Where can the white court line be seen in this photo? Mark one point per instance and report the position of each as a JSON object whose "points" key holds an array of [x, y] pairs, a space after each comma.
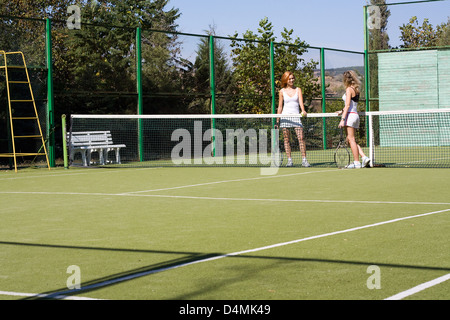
{"points": [[285, 200], [44, 176], [146, 273], [39, 295], [234, 180], [420, 287], [65, 174], [219, 198]]}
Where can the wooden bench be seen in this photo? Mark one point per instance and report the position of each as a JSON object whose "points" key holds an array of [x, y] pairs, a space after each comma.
{"points": [[88, 142]]}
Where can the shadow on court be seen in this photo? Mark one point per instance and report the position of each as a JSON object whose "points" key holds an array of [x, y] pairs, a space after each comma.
{"points": [[188, 257]]}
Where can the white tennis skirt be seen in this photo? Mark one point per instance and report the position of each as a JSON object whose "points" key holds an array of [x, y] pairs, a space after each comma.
{"points": [[352, 120], [291, 122]]}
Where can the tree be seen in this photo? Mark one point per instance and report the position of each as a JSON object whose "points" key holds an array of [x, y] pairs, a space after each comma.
{"points": [[96, 65], [414, 35], [223, 77], [378, 37], [444, 34], [39, 9], [288, 57], [28, 35], [251, 66]]}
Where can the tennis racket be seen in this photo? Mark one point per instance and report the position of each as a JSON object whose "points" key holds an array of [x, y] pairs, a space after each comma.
{"points": [[342, 155]]}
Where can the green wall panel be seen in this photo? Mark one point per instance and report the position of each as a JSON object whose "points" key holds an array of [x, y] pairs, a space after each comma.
{"points": [[414, 81]]}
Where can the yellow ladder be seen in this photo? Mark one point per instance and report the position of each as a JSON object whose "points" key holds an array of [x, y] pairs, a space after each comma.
{"points": [[23, 118]]}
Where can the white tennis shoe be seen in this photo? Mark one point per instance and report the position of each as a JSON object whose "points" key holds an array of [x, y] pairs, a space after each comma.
{"points": [[305, 163], [365, 161], [290, 163], [353, 166]]}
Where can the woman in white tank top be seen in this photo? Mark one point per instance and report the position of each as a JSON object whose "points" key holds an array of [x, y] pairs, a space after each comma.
{"points": [[290, 102], [350, 118]]}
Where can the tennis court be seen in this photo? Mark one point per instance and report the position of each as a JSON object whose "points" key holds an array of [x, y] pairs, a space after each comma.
{"points": [[205, 233]]}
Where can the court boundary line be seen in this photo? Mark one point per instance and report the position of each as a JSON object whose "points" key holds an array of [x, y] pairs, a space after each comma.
{"points": [[41, 295], [65, 173], [260, 177], [419, 288], [64, 294], [221, 198]]}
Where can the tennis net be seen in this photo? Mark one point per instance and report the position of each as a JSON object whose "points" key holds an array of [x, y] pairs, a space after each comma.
{"points": [[419, 138]]}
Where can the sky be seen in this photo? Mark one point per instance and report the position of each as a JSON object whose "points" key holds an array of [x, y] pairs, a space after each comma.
{"points": [[334, 24]]}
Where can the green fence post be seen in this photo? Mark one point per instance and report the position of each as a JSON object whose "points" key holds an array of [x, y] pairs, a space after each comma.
{"points": [[212, 75], [366, 72], [324, 102], [50, 99], [212, 84], [274, 137], [140, 108], [272, 77]]}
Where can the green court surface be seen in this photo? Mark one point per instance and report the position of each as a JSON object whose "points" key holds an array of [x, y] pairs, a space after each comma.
{"points": [[225, 233]]}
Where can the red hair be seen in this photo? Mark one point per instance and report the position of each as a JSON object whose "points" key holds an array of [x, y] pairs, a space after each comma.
{"points": [[285, 78]]}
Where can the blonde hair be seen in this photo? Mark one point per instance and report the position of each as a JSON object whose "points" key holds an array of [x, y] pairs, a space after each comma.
{"points": [[351, 79]]}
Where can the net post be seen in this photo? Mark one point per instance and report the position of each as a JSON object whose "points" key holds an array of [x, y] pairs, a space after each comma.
{"points": [[371, 140], [64, 137]]}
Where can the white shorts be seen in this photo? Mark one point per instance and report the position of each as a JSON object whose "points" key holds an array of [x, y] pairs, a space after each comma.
{"points": [[291, 122], [352, 120]]}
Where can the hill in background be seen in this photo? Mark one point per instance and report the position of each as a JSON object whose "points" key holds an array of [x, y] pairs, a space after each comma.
{"points": [[333, 79]]}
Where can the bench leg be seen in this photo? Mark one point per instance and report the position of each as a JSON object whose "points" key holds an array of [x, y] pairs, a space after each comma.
{"points": [[89, 157], [83, 157], [118, 155], [71, 155], [105, 156], [101, 156]]}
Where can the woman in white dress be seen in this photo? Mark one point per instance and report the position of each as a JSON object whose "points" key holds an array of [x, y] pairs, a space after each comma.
{"points": [[290, 102]]}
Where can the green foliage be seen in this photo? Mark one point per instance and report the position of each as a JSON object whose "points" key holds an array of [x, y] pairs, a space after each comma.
{"points": [[379, 38], [54, 9], [251, 66], [223, 77], [414, 35], [94, 69], [101, 57], [443, 30]]}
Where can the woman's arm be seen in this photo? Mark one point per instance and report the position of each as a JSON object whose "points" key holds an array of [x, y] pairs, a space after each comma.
{"points": [[300, 102], [280, 102]]}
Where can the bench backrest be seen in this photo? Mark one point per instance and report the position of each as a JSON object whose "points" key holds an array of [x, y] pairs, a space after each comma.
{"points": [[90, 138]]}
